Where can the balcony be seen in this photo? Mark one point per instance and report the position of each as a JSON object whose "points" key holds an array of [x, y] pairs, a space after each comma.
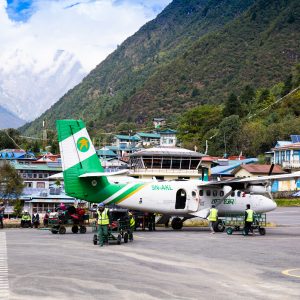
{"points": [[293, 164]]}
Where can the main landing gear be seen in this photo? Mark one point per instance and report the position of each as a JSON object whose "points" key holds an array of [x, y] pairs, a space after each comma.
{"points": [[219, 226]]}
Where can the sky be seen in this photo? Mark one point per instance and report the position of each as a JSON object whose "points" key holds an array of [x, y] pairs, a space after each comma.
{"points": [[89, 29]]}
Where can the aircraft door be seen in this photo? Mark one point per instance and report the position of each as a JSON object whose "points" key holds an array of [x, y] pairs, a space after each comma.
{"points": [[180, 199], [193, 201]]}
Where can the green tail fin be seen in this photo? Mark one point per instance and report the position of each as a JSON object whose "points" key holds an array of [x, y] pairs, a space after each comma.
{"points": [[79, 157]]}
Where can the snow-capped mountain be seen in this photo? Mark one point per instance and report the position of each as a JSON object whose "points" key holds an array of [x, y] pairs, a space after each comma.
{"points": [[29, 86]]}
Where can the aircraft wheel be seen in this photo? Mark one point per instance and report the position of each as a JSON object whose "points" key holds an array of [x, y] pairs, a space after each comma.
{"points": [[229, 231], [62, 230], [82, 229], [125, 237], [219, 226], [176, 223], [75, 229], [119, 239], [262, 231]]}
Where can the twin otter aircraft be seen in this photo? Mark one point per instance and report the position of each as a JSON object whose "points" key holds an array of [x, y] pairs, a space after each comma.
{"points": [[84, 178]]}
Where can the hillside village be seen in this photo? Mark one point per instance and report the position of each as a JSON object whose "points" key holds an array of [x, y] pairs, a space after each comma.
{"points": [[148, 155]]}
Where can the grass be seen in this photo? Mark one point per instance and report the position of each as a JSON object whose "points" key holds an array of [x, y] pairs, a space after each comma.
{"points": [[287, 202]]}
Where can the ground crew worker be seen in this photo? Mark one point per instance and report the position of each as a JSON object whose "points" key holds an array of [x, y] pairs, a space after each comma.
{"points": [[2, 208], [249, 217], [103, 222], [131, 222], [26, 219], [213, 218]]}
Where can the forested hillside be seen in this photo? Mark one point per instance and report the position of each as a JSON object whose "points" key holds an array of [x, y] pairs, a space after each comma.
{"points": [[195, 52]]}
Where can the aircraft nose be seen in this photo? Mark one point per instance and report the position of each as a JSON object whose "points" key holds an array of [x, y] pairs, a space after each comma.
{"points": [[270, 205]]}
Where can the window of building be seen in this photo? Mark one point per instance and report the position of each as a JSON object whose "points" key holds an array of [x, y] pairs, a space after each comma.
{"points": [[40, 175], [40, 185], [29, 184]]}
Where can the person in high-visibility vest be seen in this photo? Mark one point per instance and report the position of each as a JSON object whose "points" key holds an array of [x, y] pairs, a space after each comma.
{"points": [[26, 219], [103, 222], [213, 218], [249, 218], [131, 222]]}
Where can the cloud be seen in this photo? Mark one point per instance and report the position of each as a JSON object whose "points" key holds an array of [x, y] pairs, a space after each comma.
{"points": [[89, 29]]}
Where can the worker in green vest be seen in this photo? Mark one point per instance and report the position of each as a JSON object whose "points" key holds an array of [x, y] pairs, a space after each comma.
{"points": [[103, 222], [249, 218], [213, 218], [131, 222], [26, 220]]}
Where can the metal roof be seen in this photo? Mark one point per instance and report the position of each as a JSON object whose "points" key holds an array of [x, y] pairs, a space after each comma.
{"points": [[127, 137], [149, 135], [167, 151]]}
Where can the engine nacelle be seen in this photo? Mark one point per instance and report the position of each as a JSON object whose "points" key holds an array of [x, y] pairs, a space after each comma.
{"points": [[258, 189]]}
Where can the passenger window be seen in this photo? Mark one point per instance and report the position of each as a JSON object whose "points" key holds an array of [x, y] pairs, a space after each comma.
{"points": [[201, 192], [194, 194], [215, 193], [221, 193], [208, 193], [239, 193], [232, 194]]}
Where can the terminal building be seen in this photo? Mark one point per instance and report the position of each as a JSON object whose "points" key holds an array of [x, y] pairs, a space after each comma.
{"points": [[165, 163]]}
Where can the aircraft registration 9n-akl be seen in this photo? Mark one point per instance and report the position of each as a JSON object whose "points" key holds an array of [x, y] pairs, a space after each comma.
{"points": [[84, 178]]}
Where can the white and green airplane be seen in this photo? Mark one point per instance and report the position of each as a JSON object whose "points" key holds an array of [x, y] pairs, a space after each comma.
{"points": [[85, 179]]}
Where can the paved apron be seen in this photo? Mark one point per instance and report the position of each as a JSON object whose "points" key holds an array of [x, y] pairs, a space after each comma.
{"points": [[4, 287]]}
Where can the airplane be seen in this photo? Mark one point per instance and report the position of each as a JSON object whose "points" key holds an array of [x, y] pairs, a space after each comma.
{"points": [[84, 178]]}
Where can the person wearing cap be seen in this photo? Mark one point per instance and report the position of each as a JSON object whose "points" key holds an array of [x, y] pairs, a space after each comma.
{"points": [[2, 208], [213, 218], [131, 222], [103, 222]]}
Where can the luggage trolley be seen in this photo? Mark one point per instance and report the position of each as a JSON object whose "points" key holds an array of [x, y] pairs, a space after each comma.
{"points": [[236, 223], [118, 229]]}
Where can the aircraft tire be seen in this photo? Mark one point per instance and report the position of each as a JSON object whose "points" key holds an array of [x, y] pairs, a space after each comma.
{"points": [[95, 239], [177, 223], [82, 229], [219, 226]]}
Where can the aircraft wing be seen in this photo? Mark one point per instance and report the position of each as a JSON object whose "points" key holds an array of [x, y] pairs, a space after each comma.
{"points": [[242, 183]]}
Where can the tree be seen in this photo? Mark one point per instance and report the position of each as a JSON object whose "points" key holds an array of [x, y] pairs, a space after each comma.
{"points": [[11, 183], [288, 85], [196, 122], [232, 106], [229, 129]]}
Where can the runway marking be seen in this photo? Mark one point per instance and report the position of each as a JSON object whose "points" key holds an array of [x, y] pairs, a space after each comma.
{"points": [[4, 287], [290, 272]]}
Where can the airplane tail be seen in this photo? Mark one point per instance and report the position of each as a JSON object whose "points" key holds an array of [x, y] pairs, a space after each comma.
{"points": [[81, 166]]}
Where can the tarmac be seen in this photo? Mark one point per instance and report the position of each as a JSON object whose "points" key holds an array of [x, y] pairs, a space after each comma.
{"points": [[165, 264]]}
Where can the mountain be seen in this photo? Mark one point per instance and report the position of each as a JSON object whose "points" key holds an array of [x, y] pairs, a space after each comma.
{"points": [[194, 52], [9, 120], [25, 84]]}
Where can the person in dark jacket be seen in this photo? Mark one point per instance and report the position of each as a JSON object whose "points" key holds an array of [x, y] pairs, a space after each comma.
{"points": [[2, 209], [35, 219]]}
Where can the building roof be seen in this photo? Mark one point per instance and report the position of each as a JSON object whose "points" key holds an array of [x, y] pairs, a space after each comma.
{"points": [[292, 146], [106, 152], [38, 167], [259, 169], [127, 137], [232, 164], [148, 135], [168, 151], [168, 131], [16, 154], [282, 143]]}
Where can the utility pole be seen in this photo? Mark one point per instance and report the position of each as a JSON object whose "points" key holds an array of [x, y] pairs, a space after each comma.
{"points": [[44, 135]]}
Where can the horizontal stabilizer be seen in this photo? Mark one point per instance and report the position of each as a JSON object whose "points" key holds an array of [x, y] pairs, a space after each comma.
{"points": [[101, 174]]}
